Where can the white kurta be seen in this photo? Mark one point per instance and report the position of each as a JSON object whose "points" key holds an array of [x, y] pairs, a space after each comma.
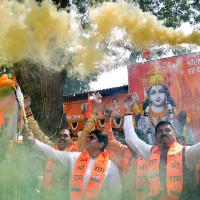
{"points": [[112, 184], [192, 153]]}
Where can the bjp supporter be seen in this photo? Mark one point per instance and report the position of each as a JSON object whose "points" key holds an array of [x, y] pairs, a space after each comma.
{"points": [[54, 183], [124, 159], [14, 158], [9, 108], [170, 164], [92, 174], [82, 139], [65, 142], [132, 167]]}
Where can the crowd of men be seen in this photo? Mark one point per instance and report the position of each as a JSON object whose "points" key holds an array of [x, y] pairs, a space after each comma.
{"points": [[97, 166]]}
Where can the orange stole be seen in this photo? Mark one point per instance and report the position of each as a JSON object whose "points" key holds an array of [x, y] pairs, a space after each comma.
{"points": [[126, 159], [72, 148], [96, 179], [197, 174], [2, 120], [51, 166], [174, 174], [142, 182], [48, 175]]}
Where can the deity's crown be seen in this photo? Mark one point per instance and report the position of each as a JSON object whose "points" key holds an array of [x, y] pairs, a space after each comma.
{"points": [[154, 77]]}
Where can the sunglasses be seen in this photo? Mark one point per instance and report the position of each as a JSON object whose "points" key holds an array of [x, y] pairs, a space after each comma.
{"points": [[91, 137], [63, 135]]}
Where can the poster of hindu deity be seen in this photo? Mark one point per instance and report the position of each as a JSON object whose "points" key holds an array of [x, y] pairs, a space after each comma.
{"points": [[167, 89]]}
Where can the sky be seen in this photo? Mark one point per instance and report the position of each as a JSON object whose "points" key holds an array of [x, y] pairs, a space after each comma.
{"points": [[114, 78]]}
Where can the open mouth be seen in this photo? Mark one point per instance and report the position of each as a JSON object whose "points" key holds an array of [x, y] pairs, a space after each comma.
{"points": [[163, 137], [62, 142]]}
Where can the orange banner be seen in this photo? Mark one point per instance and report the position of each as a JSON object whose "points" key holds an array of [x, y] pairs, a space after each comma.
{"points": [[76, 112], [167, 89]]}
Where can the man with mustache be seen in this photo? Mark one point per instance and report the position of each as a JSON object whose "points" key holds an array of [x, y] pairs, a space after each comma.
{"points": [[170, 164], [92, 174], [54, 179]]}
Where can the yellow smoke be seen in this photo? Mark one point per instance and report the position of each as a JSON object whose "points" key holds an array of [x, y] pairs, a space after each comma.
{"points": [[143, 28], [87, 56], [47, 25], [30, 30]]}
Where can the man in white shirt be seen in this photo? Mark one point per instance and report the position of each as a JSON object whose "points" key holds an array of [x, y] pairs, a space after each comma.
{"points": [[93, 175], [170, 163]]}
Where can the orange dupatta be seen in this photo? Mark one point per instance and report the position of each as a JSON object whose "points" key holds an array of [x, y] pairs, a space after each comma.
{"points": [[50, 167], [96, 179], [174, 174], [142, 182]]}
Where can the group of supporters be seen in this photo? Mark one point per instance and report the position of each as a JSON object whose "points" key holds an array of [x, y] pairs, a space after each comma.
{"points": [[100, 167], [97, 166]]}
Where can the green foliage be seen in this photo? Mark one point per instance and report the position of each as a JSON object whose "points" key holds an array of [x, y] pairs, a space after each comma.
{"points": [[6, 69], [95, 2], [195, 10], [172, 12], [74, 84]]}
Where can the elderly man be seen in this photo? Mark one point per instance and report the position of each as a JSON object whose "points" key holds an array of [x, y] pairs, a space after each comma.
{"points": [[93, 175], [170, 163]]}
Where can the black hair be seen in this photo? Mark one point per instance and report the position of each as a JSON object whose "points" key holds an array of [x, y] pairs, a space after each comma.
{"points": [[101, 137], [64, 128], [162, 123]]}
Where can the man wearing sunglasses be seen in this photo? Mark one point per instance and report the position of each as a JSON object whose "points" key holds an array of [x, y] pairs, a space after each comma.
{"points": [[92, 174], [50, 186], [82, 140]]}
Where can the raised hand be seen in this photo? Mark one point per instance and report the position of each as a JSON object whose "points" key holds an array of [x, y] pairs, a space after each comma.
{"points": [[129, 103], [135, 97], [107, 111], [96, 100], [27, 105]]}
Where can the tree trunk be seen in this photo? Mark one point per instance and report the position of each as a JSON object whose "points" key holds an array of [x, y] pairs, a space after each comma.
{"points": [[45, 88]]}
